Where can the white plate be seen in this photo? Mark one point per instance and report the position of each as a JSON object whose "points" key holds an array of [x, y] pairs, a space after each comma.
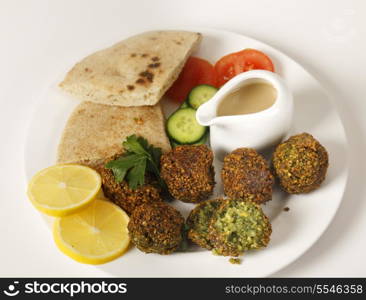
{"points": [[293, 231]]}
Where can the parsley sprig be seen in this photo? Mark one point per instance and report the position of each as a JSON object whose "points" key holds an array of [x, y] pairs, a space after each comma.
{"points": [[139, 157]]}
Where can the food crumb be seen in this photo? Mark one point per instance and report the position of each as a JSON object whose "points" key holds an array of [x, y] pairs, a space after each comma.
{"points": [[214, 252], [235, 261], [286, 209]]}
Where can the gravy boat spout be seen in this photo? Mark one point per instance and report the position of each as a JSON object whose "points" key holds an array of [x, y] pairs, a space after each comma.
{"points": [[206, 113], [257, 130]]}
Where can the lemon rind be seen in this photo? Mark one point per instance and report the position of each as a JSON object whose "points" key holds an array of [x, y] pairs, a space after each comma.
{"points": [[66, 249], [71, 209]]}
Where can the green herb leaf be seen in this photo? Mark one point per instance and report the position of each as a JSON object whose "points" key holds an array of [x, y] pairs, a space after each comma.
{"points": [[135, 145], [155, 154], [143, 142], [154, 161], [119, 173], [121, 165], [125, 161], [136, 175], [139, 158]]}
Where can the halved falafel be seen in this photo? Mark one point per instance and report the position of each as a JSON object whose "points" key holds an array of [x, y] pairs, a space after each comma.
{"points": [[300, 163], [188, 172], [246, 175], [199, 220], [238, 226], [156, 228]]}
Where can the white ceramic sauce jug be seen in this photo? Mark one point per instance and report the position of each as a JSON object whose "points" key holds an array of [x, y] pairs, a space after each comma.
{"points": [[258, 130]]}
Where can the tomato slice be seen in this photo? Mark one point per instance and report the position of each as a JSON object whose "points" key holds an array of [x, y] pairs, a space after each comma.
{"points": [[235, 63], [196, 71]]}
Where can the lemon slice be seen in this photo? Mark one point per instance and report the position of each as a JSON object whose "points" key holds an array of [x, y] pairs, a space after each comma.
{"points": [[96, 235], [63, 189]]}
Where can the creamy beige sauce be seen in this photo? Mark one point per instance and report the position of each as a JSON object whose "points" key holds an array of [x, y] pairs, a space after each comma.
{"points": [[251, 98]]}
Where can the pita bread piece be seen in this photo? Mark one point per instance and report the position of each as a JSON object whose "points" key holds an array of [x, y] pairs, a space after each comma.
{"points": [[134, 72], [95, 132]]}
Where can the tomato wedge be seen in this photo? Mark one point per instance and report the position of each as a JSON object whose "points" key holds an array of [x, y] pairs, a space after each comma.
{"points": [[196, 71], [235, 63]]}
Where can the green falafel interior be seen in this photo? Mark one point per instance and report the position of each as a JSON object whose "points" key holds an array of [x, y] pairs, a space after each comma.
{"points": [[229, 227], [199, 220], [239, 226]]}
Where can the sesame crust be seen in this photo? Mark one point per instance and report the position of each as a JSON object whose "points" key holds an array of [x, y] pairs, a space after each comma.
{"points": [[246, 175], [188, 172], [156, 228], [300, 163]]}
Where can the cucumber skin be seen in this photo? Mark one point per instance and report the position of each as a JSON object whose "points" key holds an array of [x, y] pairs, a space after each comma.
{"points": [[189, 98], [173, 139], [202, 141]]}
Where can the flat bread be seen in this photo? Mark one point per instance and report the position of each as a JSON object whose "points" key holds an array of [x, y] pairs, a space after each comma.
{"points": [[134, 72], [95, 132]]}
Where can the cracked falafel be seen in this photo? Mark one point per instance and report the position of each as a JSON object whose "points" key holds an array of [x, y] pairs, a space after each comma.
{"points": [[246, 175], [156, 228], [199, 220], [300, 163], [188, 172], [238, 226]]}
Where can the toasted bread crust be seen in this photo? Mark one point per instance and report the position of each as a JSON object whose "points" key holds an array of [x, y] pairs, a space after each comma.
{"points": [[134, 72], [95, 132]]}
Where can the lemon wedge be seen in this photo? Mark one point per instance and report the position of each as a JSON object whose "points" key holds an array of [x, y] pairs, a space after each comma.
{"points": [[95, 235], [61, 190]]}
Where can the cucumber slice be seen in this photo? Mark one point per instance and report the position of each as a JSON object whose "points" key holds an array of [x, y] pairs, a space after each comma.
{"points": [[201, 94], [203, 140], [183, 127]]}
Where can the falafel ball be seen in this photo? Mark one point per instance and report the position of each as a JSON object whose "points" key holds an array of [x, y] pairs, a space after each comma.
{"points": [[199, 220], [156, 228], [246, 175], [300, 163], [125, 197], [188, 172], [238, 226]]}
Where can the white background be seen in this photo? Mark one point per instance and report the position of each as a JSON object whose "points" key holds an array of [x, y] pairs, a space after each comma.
{"points": [[39, 38]]}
